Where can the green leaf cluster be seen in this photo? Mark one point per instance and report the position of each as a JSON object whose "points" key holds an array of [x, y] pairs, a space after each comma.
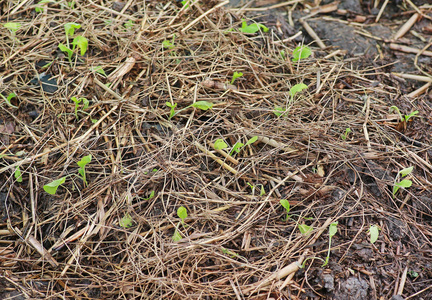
{"points": [[252, 28], [79, 41], [404, 183]]}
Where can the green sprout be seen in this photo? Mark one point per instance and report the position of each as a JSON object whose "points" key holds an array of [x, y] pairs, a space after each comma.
{"points": [[285, 204], [345, 135], [235, 76], [17, 174], [82, 163], [301, 52], [169, 45], [297, 88], [9, 98], [403, 117], [374, 233], [405, 183], [185, 3], [39, 9], [176, 236], [279, 110], [332, 232], [203, 105], [172, 111], [238, 146], [219, 144], [152, 193], [252, 28], [282, 54], [305, 229], [129, 24], [99, 70], [79, 41], [51, 188], [182, 213], [13, 28], [126, 221], [77, 103]]}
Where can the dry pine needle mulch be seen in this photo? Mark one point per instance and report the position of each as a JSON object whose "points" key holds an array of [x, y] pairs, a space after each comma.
{"points": [[113, 238]]}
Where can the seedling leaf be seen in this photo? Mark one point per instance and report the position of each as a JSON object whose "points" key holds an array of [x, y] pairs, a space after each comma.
{"points": [[203, 105], [333, 229], [235, 76], [220, 144], [70, 28], [18, 175], [182, 213], [82, 43], [84, 161], [126, 221], [305, 229], [301, 52], [278, 111], [406, 171], [252, 28], [297, 88], [51, 188], [262, 190], [285, 204], [172, 111], [64, 48], [99, 70], [251, 140], [407, 117], [177, 236], [236, 148], [12, 26], [167, 44], [374, 233]]}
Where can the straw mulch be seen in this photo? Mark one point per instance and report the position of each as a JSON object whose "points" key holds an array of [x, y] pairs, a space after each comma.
{"points": [[236, 242]]}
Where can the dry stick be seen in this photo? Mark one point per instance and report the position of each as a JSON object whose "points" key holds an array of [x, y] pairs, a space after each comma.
{"points": [[419, 292], [414, 77], [365, 131], [224, 154], [204, 15], [402, 281], [406, 27], [381, 11], [269, 7], [419, 91], [215, 158], [288, 39], [407, 49], [73, 141], [312, 33]]}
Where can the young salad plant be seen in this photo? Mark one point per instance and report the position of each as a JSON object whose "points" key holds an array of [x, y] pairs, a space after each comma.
{"points": [[374, 233], [404, 183], [301, 52], [235, 76], [252, 28], [77, 103], [332, 232], [182, 214], [51, 188], [82, 164], [79, 41], [285, 204], [403, 117]]}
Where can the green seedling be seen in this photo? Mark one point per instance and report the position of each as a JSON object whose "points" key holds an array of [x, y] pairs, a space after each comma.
{"points": [[405, 183], [332, 232], [296, 89], [13, 27], [169, 44], [403, 117], [172, 111], [235, 76], [176, 236], [40, 9], [253, 187], [413, 274], [182, 213], [126, 221], [220, 144], [203, 105], [185, 3], [238, 146], [285, 204], [82, 163], [301, 52], [149, 197], [99, 70], [282, 54], [9, 98], [252, 28], [51, 188], [17, 174], [305, 229], [345, 135], [374, 233], [77, 102], [279, 110], [129, 24], [229, 252], [262, 190], [79, 41]]}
